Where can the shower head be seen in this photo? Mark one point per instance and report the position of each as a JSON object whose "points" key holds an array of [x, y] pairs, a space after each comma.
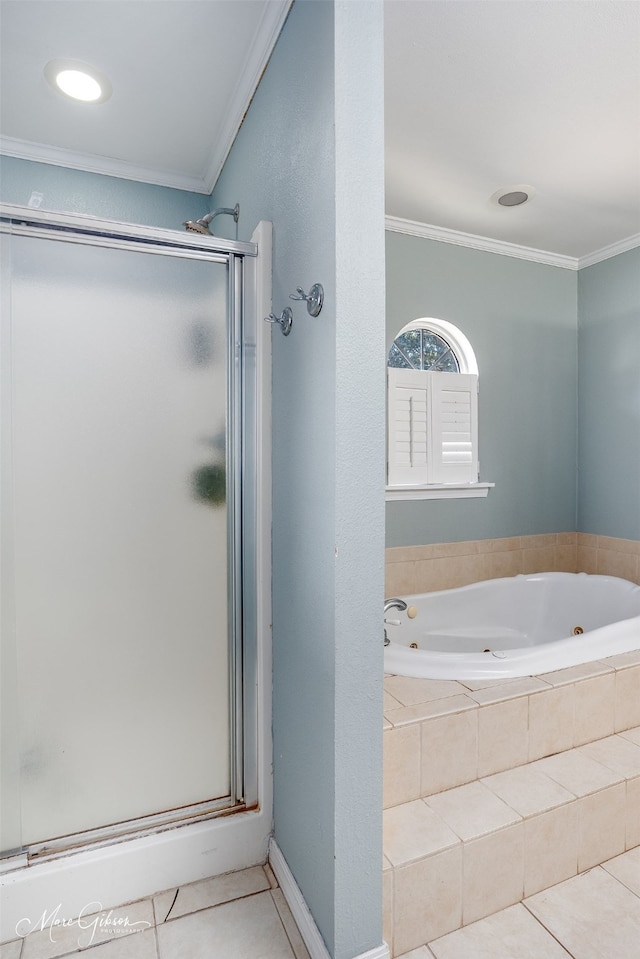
{"points": [[197, 226], [202, 225]]}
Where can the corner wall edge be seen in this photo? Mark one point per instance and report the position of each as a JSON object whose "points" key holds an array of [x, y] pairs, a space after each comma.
{"points": [[300, 911]]}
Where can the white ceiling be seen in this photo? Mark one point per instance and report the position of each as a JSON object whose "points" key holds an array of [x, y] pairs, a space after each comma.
{"points": [[481, 95], [183, 73]]}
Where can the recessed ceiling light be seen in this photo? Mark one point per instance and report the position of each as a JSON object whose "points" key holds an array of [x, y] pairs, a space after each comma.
{"points": [[515, 198], [78, 80], [513, 195]]}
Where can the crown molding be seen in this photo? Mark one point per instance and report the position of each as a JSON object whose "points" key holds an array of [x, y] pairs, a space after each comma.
{"points": [[91, 163], [264, 41], [426, 230], [413, 228], [622, 246], [276, 12]]}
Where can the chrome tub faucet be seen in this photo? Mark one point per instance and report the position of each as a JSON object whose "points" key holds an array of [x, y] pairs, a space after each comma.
{"points": [[392, 604]]}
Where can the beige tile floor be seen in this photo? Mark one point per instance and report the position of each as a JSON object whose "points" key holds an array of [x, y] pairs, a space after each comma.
{"points": [[595, 915], [240, 915]]}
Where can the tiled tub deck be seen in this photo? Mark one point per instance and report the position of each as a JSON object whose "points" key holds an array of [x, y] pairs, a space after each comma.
{"points": [[495, 792]]}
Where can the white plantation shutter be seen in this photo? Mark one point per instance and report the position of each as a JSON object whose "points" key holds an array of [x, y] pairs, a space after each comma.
{"points": [[433, 427], [453, 447], [407, 416]]}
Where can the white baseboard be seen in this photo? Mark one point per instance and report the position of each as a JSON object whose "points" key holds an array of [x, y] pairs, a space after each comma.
{"points": [[380, 952], [300, 911], [127, 871]]}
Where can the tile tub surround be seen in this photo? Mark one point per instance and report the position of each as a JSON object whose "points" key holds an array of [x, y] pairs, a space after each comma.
{"points": [[468, 852], [590, 916], [494, 793], [501, 726], [240, 915], [422, 569], [609, 556]]}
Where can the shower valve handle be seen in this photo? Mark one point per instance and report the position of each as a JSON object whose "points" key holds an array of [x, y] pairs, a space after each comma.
{"points": [[314, 298], [284, 321]]}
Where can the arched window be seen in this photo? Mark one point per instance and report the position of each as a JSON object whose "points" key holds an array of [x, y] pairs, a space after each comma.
{"points": [[422, 349], [432, 393], [441, 345]]}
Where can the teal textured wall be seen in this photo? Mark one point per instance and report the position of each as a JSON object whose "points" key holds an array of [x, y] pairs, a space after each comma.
{"points": [[521, 319], [609, 397], [309, 157], [76, 191]]}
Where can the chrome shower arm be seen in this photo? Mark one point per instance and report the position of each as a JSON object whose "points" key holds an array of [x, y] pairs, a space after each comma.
{"points": [[235, 213]]}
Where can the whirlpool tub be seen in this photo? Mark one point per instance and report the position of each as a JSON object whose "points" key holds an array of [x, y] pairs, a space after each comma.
{"points": [[521, 626]]}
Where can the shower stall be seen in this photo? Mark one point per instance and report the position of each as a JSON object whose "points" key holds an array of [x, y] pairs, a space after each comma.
{"points": [[129, 477]]}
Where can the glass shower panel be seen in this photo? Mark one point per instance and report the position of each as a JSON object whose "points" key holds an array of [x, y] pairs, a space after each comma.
{"points": [[121, 533]]}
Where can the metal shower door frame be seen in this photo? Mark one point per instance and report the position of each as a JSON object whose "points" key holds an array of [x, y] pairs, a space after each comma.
{"points": [[242, 439]]}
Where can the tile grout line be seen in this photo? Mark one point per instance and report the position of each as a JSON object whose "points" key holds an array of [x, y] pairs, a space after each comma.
{"points": [[620, 881], [548, 931], [213, 905], [600, 867], [282, 923], [157, 924]]}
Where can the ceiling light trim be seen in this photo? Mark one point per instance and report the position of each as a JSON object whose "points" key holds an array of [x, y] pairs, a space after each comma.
{"points": [[527, 191], [484, 243], [265, 39], [61, 65], [106, 166]]}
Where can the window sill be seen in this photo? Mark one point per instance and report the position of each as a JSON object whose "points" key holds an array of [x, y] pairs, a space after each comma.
{"points": [[438, 491]]}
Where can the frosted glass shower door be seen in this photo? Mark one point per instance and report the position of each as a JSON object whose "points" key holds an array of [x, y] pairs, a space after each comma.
{"points": [[121, 533]]}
